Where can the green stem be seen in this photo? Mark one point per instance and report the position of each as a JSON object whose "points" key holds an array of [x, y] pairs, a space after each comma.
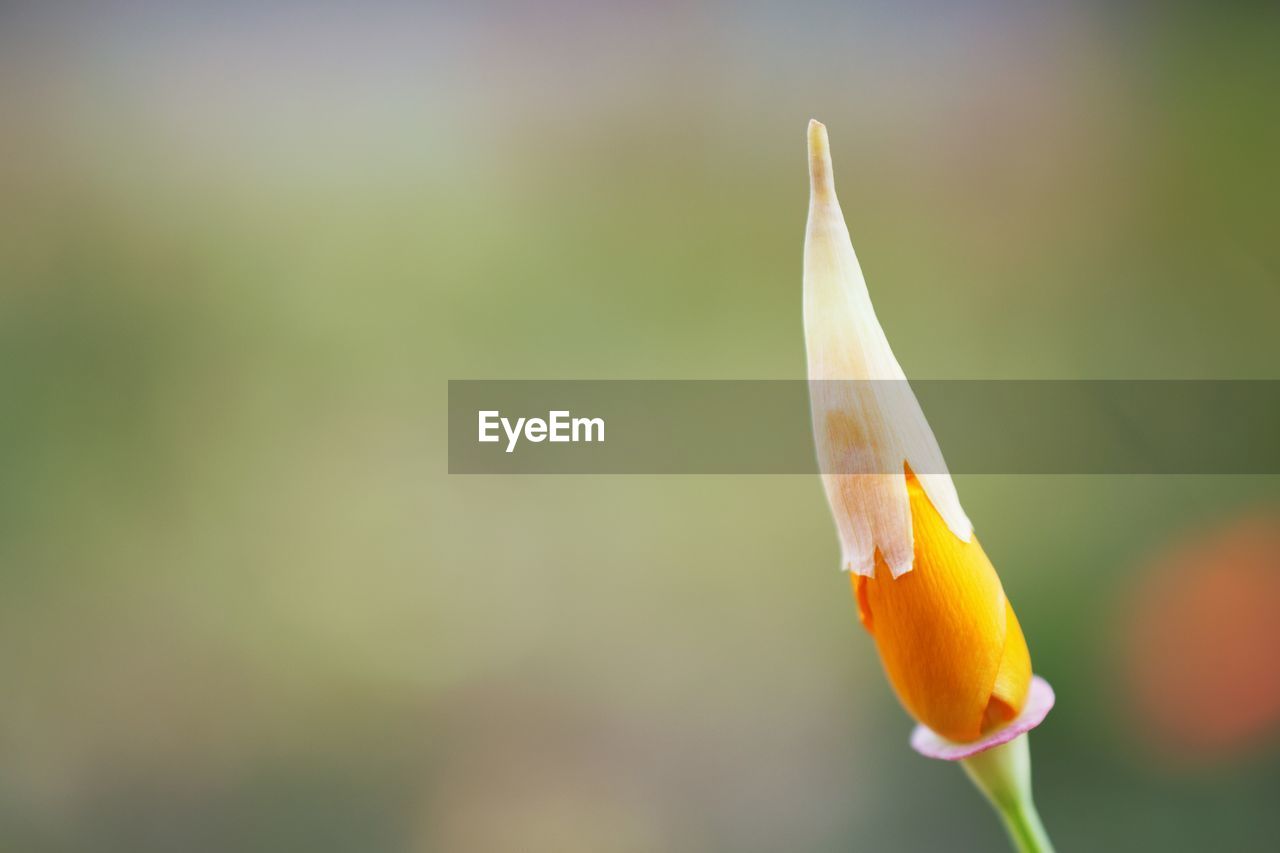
{"points": [[1003, 774], [1025, 829]]}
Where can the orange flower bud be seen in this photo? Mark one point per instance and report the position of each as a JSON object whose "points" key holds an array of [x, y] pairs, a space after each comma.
{"points": [[947, 635]]}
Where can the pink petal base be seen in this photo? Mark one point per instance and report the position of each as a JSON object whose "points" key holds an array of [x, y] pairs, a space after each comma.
{"points": [[933, 745]]}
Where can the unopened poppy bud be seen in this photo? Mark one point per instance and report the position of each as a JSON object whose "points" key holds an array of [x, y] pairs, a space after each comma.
{"points": [[946, 633]]}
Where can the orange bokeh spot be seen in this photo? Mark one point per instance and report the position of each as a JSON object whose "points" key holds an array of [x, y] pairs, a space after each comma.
{"points": [[1202, 641]]}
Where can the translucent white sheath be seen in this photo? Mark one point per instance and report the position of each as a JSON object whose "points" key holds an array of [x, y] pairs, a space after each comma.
{"points": [[866, 433]]}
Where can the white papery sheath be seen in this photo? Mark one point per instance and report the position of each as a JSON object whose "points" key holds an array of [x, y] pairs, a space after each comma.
{"points": [[866, 432]]}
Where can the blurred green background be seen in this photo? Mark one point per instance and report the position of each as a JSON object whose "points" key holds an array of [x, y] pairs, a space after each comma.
{"points": [[243, 247]]}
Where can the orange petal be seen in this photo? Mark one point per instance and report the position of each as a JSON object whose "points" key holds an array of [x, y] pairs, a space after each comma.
{"points": [[1009, 693], [947, 636]]}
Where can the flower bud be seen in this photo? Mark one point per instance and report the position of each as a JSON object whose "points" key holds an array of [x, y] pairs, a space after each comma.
{"points": [[947, 635]]}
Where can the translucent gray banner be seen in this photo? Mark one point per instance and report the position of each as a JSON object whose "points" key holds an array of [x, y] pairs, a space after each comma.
{"points": [[763, 427]]}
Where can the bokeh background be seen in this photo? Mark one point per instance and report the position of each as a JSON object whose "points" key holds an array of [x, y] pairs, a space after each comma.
{"points": [[243, 246]]}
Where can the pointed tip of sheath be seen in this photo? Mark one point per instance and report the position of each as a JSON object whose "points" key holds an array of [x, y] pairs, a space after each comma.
{"points": [[821, 183]]}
